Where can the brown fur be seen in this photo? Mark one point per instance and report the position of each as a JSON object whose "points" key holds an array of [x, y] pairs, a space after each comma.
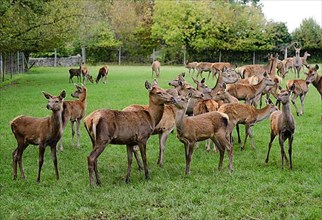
{"points": [[191, 66], [314, 78], [75, 72], [156, 68], [102, 73], [300, 90]]}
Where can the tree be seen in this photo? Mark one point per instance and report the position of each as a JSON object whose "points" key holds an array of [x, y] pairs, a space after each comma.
{"points": [[309, 34]]}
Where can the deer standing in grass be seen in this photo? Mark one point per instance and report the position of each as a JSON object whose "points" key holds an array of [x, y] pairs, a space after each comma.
{"points": [[192, 129], [86, 75], [128, 128], [39, 131], [283, 125], [75, 72], [191, 66], [156, 68], [297, 62], [300, 89], [74, 111], [248, 115]]}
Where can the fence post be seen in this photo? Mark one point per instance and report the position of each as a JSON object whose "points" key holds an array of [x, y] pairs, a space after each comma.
{"points": [[55, 59], [1, 67], [83, 55], [254, 57], [120, 54]]}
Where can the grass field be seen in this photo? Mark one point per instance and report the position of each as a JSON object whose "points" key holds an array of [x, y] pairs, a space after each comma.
{"points": [[254, 191]]}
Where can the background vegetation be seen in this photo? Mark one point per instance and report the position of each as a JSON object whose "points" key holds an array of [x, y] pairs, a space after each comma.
{"points": [[203, 30], [254, 191]]}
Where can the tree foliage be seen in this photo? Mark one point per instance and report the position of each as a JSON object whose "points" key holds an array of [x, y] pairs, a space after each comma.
{"points": [[309, 34]]}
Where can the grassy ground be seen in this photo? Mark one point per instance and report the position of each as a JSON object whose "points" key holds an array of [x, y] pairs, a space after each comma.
{"points": [[254, 191]]}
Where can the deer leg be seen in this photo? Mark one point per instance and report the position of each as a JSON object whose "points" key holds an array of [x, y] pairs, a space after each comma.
{"points": [[221, 153], [92, 163], [137, 158], [41, 160], [15, 163], [61, 144], [54, 157], [129, 162], [188, 157], [162, 140], [294, 103], [250, 133], [78, 132], [270, 145], [143, 155], [238, 133], [73, 131], [246, 136], [17, 158], [290, 141], [281, 141], [208, 142], [302, 97]]}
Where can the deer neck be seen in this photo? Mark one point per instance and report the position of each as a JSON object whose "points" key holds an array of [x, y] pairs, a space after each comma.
{"points": [[156, 111], [259, 87], [180, 115], [317, 81], [56, 122], [263, 113]]}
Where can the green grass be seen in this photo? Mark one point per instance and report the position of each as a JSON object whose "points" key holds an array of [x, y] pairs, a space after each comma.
{"points": [[254, 191]]}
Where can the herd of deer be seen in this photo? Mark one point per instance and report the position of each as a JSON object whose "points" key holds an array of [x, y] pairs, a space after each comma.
{"points": [[197, 113], [83, 71]]}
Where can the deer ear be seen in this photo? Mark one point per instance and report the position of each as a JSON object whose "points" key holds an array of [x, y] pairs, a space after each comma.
{"points": [[292, 87], [148, 85], [316, 66], [47, 95], [183, 74], [180, 83], [223, 85], [155, 82], [203, 80], [62, 94]]}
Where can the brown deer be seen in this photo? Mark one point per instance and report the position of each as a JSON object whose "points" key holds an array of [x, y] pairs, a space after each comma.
{"points": [[260, 70], [297, 62], [247, 115], [193, 129], [313, 77], [204, 67], [102, 73], [249, 92], [74, 111], [191, 66], [156, 68], [75, 72], [39, 131], [219, 66], [86, 75], [128, 128], [166, 124], [300, 89], [283, 125]]}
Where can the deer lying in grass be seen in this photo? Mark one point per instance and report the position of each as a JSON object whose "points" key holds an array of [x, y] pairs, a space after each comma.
{"points": [[75, 72], [192, 129], [313, 77], [300, 89], [191, 66], [74, 111], [102, 73], [38, 131], [249, 92], [283, 125], [246, 114], [128, 128], [156, 68], [86, 75]]}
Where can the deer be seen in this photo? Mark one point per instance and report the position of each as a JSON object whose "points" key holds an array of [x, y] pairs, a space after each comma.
{"points": [[259, 70], [102, 73], [249, 92], [281, 68], [105, 126], [248, 115], [304, 58], [156, 68], [282, 123], [86, 75], [39, 131], [204, 67], [193, 129], [166, 124], [191, 66], [74, 111], [300, 89], [313, 77], [75, 72], [219, 66], [297, 62]]}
